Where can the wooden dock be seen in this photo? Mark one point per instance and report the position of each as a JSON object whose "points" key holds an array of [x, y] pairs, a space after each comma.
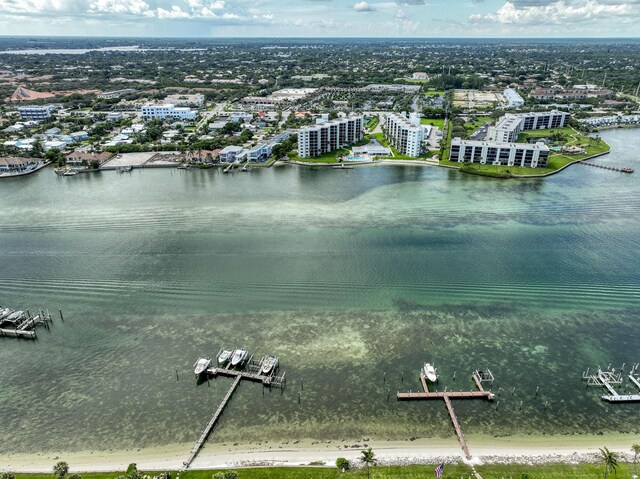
{"points": [[212, 422], [23, 324], [606, 167], [478, 377], [250, 370], [608, 378]]}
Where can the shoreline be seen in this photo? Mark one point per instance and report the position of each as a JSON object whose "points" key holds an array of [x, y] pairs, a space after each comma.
{"points": [[485, 449]]}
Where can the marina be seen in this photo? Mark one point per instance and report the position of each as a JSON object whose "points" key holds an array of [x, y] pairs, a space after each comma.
{"points": [[428, 374], [21, 324], [236, 364], [609, 377]]}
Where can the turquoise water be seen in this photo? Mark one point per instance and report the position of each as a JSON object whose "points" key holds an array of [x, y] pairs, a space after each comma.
{"points": [[350, 276]]}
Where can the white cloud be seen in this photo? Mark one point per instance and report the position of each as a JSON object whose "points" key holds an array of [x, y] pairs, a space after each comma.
{"points": [[555, 12], [363, 7]]}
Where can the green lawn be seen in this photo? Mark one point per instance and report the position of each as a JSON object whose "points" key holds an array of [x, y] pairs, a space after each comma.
{"points": [[451, 471], [438, 122], [433, 93]]}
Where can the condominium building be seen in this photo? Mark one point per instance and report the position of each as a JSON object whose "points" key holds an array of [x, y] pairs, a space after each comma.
{"points": [[405, 134], [506, 130], [543, 120], [314, 140], [35, 113], [168, 111], [514, 100], [496, 153]]}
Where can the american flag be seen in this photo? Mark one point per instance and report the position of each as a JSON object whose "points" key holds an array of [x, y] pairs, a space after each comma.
{"points": [[440, 470]]}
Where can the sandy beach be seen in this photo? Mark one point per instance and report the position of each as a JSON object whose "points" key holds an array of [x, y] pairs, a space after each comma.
{"points": [[522, 449]]}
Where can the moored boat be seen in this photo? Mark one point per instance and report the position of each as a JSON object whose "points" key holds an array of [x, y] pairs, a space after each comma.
{"points": [[430, 372], [224, 356], [201, 365], [269, 364], [70, 173], [239, 356]]}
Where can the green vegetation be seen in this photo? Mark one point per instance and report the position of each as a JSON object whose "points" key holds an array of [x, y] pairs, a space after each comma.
{"points": [[373, 123], [369, 457], [609, 460], [434, 93], [342, 464], [438, 122], [451, 471]]}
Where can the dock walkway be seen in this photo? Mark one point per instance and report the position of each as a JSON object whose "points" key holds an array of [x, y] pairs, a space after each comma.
{"points": [[606, 378], [212, 422], [447, 396]]}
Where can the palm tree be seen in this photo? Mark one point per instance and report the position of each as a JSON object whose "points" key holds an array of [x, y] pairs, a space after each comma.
{"points": [[610, 461], [61, 469], [368, 457], [636, 450]]}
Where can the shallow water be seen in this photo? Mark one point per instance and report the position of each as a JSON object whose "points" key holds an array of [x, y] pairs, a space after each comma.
{"points": [[353, 277]]}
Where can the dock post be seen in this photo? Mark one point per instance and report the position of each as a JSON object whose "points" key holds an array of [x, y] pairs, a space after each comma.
{"points": [[384, 377], [401, 376], [454, 375], [302, 384], [177, 377], [298, 397], [537, 389], [61, 317]]}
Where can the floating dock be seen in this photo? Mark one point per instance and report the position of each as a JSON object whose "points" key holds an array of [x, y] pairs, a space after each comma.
{"points": [[249, 370], [608, 378], [478, 376], [21, 324]]}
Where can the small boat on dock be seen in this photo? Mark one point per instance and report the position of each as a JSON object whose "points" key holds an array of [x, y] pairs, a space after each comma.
{"points": [[70, 173], [201, 365], [239, 357], [430, 372], [269, 364], [224, 356], [184, 166], [342, 167], [125, 169]]}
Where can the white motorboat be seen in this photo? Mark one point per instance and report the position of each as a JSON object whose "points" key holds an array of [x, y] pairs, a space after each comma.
{"points": [[201, 365], [269, 364], [70, 173], [239, 357], [430, 372], [224, 356]]}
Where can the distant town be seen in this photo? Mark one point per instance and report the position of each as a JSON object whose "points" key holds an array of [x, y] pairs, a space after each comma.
{"points": [[527, 112]]}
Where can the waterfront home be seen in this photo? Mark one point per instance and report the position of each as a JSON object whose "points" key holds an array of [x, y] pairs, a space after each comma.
{"points": [[79, 158], [231, 153], [203, 156], [12, 165]]}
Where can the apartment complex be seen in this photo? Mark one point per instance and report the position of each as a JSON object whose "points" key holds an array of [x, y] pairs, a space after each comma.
{"points": [[510, 126], [579, 92], [544, 120], [405, 134], [35, 113], [494, 153], [506, 130], [116, 93], [168, 111], [315, 140]]}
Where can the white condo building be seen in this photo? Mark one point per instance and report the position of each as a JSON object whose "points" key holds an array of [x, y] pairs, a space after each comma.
{"points": [[314, 140], [168, 111], [513, 98], [497, 153], [405, 134], [35, 113], [506, 130], [511, 125]]}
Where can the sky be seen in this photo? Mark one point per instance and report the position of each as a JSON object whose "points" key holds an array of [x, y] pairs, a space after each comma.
{"points": [[322, 18]]}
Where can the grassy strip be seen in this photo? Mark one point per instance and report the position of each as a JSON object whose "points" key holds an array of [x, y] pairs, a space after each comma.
{"points": [[451, 471], [438, 122]]}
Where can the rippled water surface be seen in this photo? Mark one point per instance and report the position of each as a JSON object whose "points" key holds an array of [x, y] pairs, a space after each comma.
{"points": [[349, 276]]}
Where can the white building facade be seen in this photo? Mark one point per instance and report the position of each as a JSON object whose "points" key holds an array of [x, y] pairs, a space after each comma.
{"points": [[405, 134], [35, 113], [168, 111], [544, 120], [496, 153], [506, 130], [315, 140], [514, 100]]}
